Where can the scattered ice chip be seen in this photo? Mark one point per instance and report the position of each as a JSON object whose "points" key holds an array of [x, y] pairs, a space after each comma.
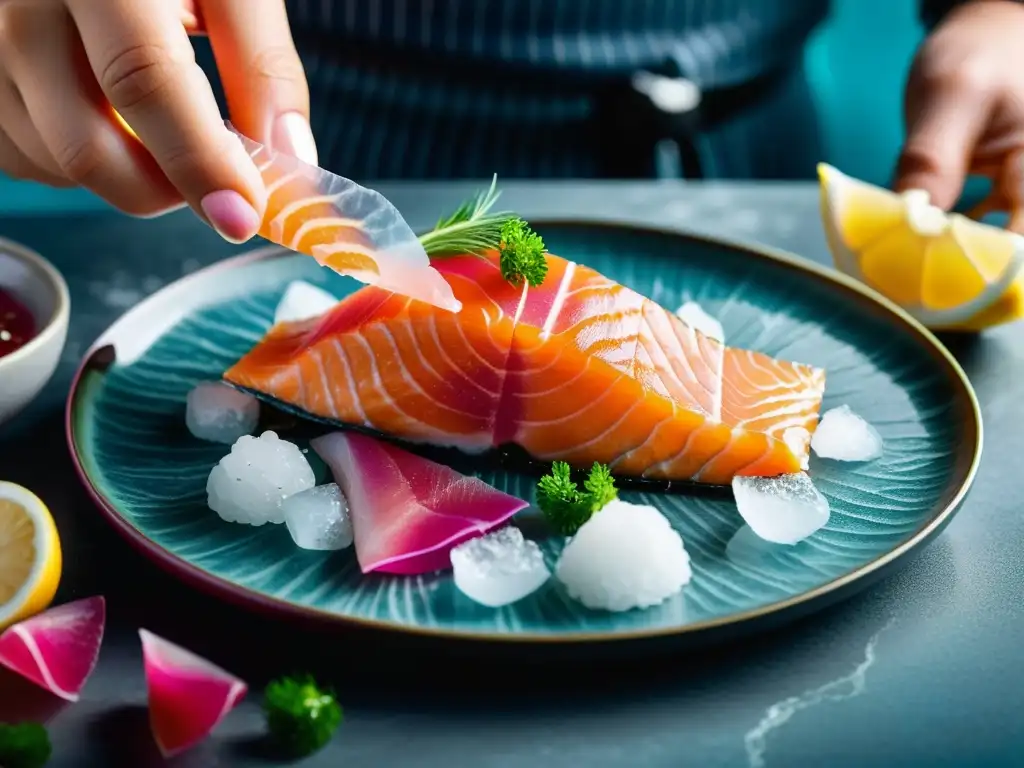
{"points": [[798, 440], [845, 436], [693, 314], [249, 484], [625, 556], [784, 509], [317, 518], [499, 568], [219, 413], [302, 301]]}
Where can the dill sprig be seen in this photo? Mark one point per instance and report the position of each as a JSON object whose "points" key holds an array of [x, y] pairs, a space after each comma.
{"points": [[564, 505], [474, 229]]}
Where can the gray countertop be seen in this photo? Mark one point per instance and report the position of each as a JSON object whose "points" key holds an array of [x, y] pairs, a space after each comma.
{"points": [[923, 669]]}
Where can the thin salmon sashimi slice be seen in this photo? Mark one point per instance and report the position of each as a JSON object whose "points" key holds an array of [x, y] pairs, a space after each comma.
{"points": [[579, 369], [348, 228]]}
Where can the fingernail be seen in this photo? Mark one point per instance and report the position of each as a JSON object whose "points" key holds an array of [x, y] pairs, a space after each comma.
{"points": [[231, 215], [293, 136]]}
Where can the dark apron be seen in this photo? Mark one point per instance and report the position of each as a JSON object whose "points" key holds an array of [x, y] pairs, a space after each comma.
{"points": [[624, 127]]}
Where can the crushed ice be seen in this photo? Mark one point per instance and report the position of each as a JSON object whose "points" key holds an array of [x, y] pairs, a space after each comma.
{"points": [[249, 484], [626, 556], [219, 413], [499, 568], [844, 436], [317, 518], [784, 509]]}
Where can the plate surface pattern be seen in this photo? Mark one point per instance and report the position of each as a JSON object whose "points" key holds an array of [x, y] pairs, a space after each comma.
{"points": [[129, 437]]}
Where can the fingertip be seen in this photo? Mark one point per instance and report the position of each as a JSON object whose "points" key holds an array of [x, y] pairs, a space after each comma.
{"points": [[292, 135], [254, 186], [943, 188], [231, 215]]}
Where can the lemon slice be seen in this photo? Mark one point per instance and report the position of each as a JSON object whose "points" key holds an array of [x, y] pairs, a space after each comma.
{"points": [[945, 269], [30, 556]]}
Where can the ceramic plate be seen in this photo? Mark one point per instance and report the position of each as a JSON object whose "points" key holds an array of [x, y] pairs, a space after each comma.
{"points": [[148, 475]]}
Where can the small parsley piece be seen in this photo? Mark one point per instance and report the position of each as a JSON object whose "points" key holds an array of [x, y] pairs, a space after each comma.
{"points": [[564, 505], [600, 486], [522, 254], [301, 716], [25, 745]]}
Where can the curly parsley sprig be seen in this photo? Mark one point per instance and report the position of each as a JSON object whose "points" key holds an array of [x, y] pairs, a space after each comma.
{"points": [[301, 716], [567, 507], [24, 745], [522, 254]]}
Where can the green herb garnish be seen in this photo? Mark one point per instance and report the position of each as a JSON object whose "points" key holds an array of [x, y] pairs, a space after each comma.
{"points": [[522, 254], [474, 229], [302, 717], [565, 506], [26, 745]]}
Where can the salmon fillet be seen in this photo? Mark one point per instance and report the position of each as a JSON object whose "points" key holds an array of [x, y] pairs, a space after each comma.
{"points": [[581, 369]]}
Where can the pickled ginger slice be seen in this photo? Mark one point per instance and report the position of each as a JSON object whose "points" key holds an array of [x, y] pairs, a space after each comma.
{"points": [[348, 228], [58, 648], [408, 512], [188, 696]]}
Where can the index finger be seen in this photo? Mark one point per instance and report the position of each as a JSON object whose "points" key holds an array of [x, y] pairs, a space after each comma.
{"points": [[143, 61]]}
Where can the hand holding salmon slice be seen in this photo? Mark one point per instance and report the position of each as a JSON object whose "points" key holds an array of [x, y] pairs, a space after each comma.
{"points": [[348, 228]]}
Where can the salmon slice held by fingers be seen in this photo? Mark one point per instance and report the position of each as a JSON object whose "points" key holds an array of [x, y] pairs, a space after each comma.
{"points": [[348, 228], [578, 369]]}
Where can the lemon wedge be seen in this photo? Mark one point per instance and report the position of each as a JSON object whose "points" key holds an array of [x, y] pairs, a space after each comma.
{"points": [[948, 271], [30, 555]]}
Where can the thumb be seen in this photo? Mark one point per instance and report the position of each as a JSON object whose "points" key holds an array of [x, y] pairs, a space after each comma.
{"points": [[263, 78], [943, 125]]}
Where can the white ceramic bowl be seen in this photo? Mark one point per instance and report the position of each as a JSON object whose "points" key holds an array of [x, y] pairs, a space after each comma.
{"points": [[39, 286]]}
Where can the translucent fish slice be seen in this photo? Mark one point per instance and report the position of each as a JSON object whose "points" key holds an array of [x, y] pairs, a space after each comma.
{"points": [[348, 228]]}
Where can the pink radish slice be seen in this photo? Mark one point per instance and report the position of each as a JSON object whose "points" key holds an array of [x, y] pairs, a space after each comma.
{"points": [[188, 696], [57, 649], [409, 512]]}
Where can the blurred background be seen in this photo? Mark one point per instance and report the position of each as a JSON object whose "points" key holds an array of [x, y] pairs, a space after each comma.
{"points": [[857, 63]]}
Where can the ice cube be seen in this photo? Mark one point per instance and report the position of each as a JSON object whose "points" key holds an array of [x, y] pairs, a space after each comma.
{"points": [[845, 436], [302, 301], [784, 509], [219, 413], [318, 519], [798, 440], [249, 484], [694, 315], [499, 568]]}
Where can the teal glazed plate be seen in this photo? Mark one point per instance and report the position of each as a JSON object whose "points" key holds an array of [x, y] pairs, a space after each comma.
{"points": [[126, 429]]}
